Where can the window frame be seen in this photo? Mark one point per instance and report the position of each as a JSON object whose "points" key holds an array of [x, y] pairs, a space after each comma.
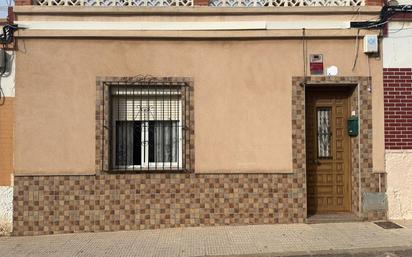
{"points": [[103, 163]]}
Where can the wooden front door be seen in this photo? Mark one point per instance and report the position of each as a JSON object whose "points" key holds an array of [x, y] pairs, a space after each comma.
{"points": [[327, 150]]}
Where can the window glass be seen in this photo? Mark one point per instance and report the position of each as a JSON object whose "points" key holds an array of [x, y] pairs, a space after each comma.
{"points": [[128, 143], [163, 141]]}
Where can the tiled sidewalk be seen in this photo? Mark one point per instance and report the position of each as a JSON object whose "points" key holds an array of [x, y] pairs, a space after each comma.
{"points": [[218, 241]]}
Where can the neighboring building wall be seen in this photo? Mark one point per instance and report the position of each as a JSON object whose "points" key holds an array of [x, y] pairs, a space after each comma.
{"points": [[397, 61], [23, 2], [374, 2], [6, 209], [399, 169], [398, 108], [6, 139], [6, 147]]}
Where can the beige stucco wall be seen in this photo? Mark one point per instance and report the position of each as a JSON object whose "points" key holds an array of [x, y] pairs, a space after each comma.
{"points": [[242, 97], [399, 191], [242, 94]]}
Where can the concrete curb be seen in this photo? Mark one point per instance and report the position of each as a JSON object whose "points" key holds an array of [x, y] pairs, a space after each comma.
{"points": [[401, 251]]}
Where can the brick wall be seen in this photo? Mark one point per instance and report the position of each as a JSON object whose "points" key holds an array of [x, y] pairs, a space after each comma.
{"points": [[374, 2], [201, 2], [6, 141], [23, 2], [397, 83]]}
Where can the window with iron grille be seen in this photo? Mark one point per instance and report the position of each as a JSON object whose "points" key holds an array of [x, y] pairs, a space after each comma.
{"points": [[149, 126]]}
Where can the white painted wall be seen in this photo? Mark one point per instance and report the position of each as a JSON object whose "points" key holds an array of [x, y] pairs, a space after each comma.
{"points": [[405, 2], [399, 191], [8, 79], [6, 210], [397, 51]]}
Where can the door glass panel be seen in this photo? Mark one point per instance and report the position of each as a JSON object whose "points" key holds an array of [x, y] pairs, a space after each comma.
{"points": [[324, 136]]}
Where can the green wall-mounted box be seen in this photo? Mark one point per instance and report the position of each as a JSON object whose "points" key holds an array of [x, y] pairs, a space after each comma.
{"points": [[353, 126]]}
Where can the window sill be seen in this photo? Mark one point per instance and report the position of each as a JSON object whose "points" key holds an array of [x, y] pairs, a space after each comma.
{"points": [[147, 171]]}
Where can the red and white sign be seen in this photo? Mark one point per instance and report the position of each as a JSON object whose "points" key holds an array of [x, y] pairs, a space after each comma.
{"points": [[316, 64]]}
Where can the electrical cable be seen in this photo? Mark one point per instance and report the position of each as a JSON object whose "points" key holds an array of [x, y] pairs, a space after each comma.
{"points": [[386, 14], [398, 30], [5, 39], [305, 73], [356, 50], [8, 34], [369, 74], [360, 164], [403, 25], [2, 72], [407, 36], [304, 57]]}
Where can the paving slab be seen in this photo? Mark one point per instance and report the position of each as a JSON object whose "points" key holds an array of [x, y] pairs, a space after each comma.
{"points": [[354, 239]]}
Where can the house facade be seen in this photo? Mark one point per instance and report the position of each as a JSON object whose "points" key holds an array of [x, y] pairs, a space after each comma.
{"points": [[131, 117]]}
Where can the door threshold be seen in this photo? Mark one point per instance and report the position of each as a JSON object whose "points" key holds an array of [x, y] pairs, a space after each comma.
{"points": [[332, 218]]}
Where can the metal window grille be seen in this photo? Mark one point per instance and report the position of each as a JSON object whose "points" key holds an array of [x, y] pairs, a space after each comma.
{"points": [[148, 126]]}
